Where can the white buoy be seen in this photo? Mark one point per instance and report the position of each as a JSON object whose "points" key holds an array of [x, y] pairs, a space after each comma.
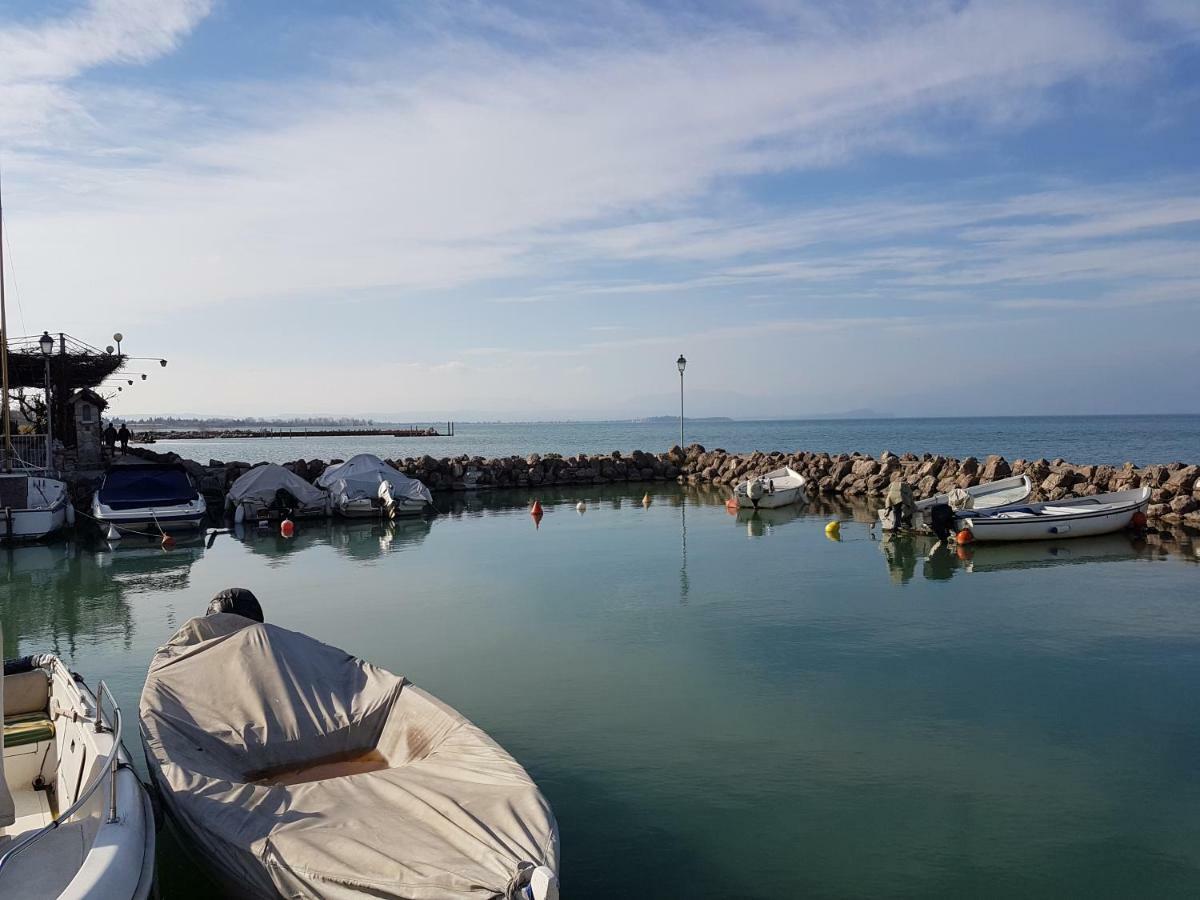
{"points": [[580, 506], [113, 533]]}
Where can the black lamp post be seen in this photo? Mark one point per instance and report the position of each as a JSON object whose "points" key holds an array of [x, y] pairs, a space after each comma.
{"points": [[682, 364], [46, 345]]}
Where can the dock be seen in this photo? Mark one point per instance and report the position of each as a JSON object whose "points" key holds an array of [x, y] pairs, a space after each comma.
{"points": [[208, 434]]}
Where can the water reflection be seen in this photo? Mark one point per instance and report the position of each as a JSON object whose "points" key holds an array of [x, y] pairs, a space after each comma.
{"points": [[939, 561], [58, 594], [760, 522], [362, 539]]}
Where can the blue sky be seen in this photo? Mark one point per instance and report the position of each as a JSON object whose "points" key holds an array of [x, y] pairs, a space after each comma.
{"points": [[529, 210]]}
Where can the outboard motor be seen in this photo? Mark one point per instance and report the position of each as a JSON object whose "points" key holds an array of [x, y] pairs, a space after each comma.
{"points": [[941, 520], [899, 506], [755, 491], [239, 601]]}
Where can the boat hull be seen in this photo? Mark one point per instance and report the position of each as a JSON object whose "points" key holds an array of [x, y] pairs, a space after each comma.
{"points": [[1075, 521], [371, 508], [994, 495], [32, 524], [776, 489], [772, 501]]}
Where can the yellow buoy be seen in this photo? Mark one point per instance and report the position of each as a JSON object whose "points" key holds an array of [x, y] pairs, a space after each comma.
{"points": [[833, 530], [646, 500]]}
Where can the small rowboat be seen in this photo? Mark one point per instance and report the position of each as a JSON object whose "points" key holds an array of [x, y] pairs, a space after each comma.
{"points": [[75, 821], [992, 495], [771, 491], [1076, 517], [297, 770]]}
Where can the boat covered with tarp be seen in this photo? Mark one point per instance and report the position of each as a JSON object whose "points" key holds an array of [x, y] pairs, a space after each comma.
{"points": [[365, 485], [271, 491], [32, 507], [297, 770], [152, 497]]}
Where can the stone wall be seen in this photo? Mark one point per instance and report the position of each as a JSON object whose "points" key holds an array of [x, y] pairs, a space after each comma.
{"points": [[1175, 498]]}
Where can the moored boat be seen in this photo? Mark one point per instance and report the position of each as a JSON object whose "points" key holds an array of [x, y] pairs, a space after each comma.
{"points": [[295, 769], [75, 821], [272, 492], [780, 487], [32, 507], [897, 514], [151, 497], [1067, 518], [365, 486]]}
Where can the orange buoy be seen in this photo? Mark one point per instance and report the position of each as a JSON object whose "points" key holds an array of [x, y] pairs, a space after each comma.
{"points": [[965, 536], [1138, 520], [168, 542], [287, 528], [536, 511], [731, 504]]}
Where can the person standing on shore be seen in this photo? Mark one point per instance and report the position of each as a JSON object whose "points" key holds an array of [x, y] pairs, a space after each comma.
{"points": [[123, 435], [110, 439]]}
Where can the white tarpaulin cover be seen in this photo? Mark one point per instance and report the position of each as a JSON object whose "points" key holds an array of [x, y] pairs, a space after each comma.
{"points": [[249, 729], [359, 477], [261, 483]]}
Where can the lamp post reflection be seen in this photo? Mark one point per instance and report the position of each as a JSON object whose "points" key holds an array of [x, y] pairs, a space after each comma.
{"points": [[683, 576]]}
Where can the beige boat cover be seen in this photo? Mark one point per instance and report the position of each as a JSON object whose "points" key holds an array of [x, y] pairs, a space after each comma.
{"points": [[451, 816]]}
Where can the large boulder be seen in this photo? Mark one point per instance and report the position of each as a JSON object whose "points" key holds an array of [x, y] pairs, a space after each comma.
{"points": [[995, 468]]}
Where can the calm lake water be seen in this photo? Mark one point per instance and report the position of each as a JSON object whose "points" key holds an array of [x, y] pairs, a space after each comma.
{"points": [[733, 707], [1080, 439]]}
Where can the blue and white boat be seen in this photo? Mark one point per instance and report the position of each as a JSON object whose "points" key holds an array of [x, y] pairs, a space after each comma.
{"points": [[153, 498]]}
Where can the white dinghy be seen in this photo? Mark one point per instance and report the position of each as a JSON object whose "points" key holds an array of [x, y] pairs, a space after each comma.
{"points": [[781, 487], [273, 492], [32, 507], [1071, 518], [297, 770], [897, 514], [75, 821], [364, 486]]}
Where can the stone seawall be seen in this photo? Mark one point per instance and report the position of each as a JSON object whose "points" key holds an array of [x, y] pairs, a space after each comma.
{"points": [[1175, 497]]}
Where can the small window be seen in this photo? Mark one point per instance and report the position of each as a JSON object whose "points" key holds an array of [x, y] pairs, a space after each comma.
{"points": [[89, 414]]}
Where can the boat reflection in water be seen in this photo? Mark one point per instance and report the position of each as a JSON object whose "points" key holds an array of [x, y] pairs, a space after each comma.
{"points": [[939, 561], [357, 539], [56, 594], [761, 522]]}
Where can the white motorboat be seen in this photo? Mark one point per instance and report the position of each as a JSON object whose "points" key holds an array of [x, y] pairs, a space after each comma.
{"points": [[153, 498], [32, 507], [991, 495], [365, 486], [75, 821], [771, 491], [297, 770], [272, 492], [1069, 518]]}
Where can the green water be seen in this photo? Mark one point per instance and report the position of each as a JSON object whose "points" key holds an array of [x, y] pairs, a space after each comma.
{"points": [[718, 707]]}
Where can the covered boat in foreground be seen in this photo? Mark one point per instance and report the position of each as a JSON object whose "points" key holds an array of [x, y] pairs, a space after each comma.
{"points": [[365, 486], [150, 497], [1068, 518], [32, 507], [295, 769], [781, 487], [75, 821], [899, 512], [273, 492]]}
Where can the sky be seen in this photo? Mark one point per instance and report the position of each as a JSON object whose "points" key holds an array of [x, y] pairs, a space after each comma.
{"points": [[529, 210]]}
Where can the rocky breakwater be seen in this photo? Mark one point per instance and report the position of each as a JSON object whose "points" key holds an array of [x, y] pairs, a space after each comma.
{"points": [[1175, 487]]}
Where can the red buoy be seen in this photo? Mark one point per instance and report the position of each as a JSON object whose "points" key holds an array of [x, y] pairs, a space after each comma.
{"points": [[287, 528], [964, 536], [536, 511], [167, 542], [732, 505], [1138, 520]]}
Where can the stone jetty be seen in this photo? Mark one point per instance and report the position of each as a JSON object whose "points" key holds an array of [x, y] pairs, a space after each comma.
{"points": [[1175, 498]]}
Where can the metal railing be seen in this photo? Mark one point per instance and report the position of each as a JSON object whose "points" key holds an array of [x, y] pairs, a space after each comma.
{"points": [[107, 769], [28, 452]]}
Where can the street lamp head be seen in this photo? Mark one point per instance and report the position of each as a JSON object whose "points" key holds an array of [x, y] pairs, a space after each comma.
{"points": [[46, 343], [163, 363], [143, 376], [109, 349], [118, 337], [682, 363]]}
